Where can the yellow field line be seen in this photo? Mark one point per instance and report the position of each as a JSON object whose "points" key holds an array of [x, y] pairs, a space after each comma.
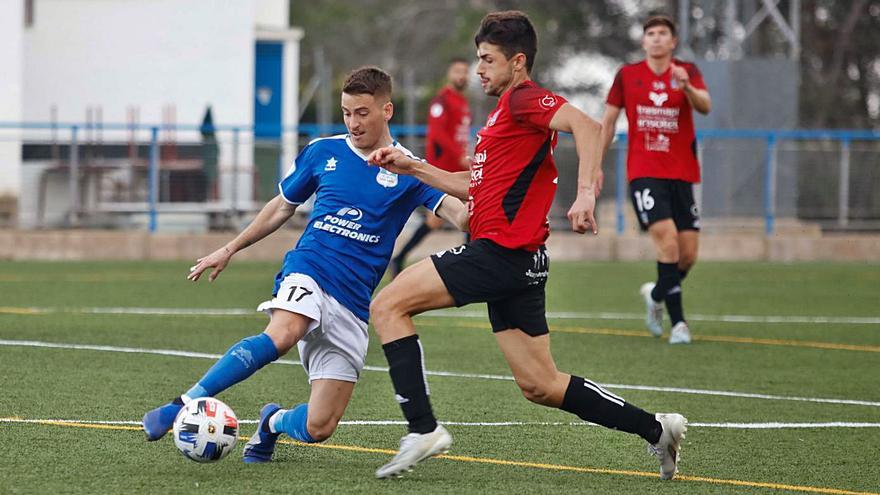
{"points": [[808, 344], [705, 338], [503, 462], [19, 311]]}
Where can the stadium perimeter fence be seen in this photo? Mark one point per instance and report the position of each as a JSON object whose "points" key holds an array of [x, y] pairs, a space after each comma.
{"points": [[190, 177]]}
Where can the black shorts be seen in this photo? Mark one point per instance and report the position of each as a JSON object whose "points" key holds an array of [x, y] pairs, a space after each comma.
{"points": [[510, 281], [659, 199]]}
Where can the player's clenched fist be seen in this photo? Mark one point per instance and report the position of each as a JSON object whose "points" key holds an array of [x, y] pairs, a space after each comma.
{"points": [[393, 160], [680, 76]]}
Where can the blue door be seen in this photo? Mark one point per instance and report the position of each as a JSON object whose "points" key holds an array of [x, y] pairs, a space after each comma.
{"points": [[267, 89]]}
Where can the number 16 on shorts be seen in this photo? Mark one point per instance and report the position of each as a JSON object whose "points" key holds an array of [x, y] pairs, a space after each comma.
{"points": [[644, 200], [644, 203]]}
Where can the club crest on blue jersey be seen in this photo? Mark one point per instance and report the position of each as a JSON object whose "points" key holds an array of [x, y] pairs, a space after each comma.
{"points": [[386, 178]]}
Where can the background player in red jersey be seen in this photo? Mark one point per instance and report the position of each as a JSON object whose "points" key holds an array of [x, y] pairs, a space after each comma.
{"points": [[658, 94], [509, 190], [449, 124]]}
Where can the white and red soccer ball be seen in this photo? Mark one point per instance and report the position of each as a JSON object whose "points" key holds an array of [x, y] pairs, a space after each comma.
{"points": [[205, 430]]}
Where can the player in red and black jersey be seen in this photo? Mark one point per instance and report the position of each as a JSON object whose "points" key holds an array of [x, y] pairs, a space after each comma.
{"points": [[658, 94], [449, 125], [509, 191]]}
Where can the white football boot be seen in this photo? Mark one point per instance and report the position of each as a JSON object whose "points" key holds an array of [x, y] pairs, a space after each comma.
{"points": [[416, 447], [680, 334], [653, 310], [667, 449]]}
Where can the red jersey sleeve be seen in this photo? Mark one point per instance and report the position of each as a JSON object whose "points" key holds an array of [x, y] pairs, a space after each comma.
{"points": [[615, 94], [534, 106]]}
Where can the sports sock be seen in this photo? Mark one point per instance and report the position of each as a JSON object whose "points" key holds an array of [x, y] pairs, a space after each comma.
{"points": [[405, 362], [293, 422], [593, 403], [682, 274], [413, 241], [667, 278], [674, 306], [668, 288], [241, 361]]}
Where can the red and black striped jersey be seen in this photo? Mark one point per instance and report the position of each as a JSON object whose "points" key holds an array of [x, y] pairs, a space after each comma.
{"points": [[513, 176], [662, 143]]}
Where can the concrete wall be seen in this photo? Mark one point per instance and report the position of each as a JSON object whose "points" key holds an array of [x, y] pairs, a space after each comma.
{"points": [[563, 246], [11, 67], [272, 14], [149, 54]]}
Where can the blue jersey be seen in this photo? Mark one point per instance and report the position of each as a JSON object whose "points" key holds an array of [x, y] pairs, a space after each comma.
{"points": [[358, 213]]}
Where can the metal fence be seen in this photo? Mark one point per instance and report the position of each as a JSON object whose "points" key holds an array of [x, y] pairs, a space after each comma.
{"points": [[200, 178], [768, 180]]}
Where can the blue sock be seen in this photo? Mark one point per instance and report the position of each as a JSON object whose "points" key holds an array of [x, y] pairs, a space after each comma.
{"points": [[241, 361], [293, 422]]}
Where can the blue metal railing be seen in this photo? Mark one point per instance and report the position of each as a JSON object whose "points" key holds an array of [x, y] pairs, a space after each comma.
{"points": [[771, 137]]}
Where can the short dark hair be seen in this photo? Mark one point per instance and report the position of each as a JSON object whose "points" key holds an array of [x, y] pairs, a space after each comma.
{"points": [[659, 20], [512, 31], [368, 80]]}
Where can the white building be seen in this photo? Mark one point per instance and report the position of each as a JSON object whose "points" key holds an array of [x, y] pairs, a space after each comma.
{"points": [[62, 59]]}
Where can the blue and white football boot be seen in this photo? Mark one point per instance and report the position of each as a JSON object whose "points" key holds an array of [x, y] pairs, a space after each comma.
{"points": [[159, 421], [260, 447]]}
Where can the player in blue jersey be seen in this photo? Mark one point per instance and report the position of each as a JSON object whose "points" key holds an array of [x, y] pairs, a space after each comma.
{"points": [[322, 293]]}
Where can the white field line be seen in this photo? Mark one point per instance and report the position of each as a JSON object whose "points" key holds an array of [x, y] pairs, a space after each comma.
{"points": [[559, 315], [574, 315], [650, 388], [364, 422]]}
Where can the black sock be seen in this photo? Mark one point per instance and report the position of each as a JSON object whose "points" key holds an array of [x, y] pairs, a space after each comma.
{"points": [[668, 289], [667, 278], [593, 403], [682, 274], [413, 241], [674, 306], [410, 386]]}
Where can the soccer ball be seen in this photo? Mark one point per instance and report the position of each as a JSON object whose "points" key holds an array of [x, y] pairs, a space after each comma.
{"points": [[205, 430]]}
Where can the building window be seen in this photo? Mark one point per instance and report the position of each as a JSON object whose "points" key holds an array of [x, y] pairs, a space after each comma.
{"points": [[29, 13]]}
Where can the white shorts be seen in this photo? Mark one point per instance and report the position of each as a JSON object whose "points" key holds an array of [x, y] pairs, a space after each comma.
{"points": [[335, 344]]}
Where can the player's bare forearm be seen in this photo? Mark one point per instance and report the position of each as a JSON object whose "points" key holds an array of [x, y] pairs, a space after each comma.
{"points": [[268, 220], [455, 184], [588, 144], [455, 212], [609, 125], [392, 159], [699, 99], [588, 137]]}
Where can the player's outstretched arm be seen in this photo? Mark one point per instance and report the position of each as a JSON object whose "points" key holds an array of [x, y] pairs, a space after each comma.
{"points": [[609, 125], [588, 144], [270, 219], [455, 212], [392, 159]]}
